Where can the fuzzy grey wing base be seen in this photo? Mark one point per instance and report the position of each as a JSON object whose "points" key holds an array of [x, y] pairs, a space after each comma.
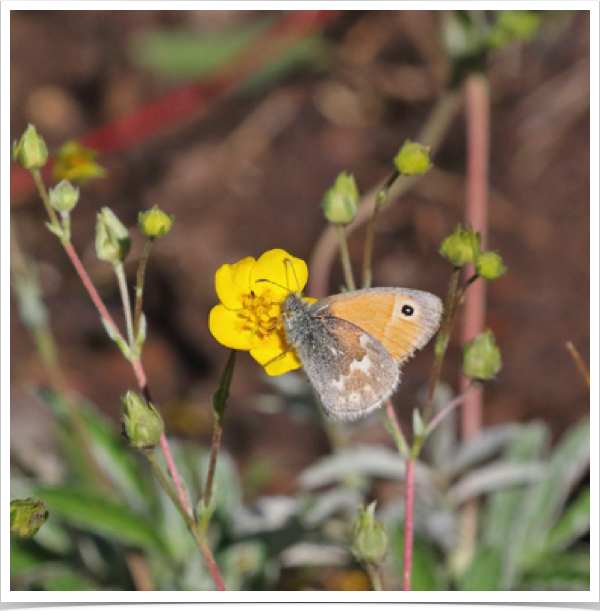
{"points": [[351, 371]]}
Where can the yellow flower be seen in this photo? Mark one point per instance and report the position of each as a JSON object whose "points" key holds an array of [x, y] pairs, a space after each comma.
{"points": [[249, 316], [76, 163]]}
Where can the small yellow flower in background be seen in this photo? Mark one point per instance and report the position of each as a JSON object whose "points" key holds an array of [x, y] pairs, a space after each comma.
{"points": [[76, 163], [249, 316]]}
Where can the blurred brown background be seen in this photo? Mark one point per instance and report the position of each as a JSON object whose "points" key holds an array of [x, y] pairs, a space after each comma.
{"points": [[247, 173]]}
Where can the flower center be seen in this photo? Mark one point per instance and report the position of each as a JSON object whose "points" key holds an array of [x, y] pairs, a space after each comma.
{"points": [[261, 315]]}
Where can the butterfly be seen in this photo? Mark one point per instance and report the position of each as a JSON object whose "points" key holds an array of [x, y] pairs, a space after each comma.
{"points": [[352, 345]]}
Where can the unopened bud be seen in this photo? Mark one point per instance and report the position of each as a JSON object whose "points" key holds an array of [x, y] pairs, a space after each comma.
{"points": [[481, 357], [413, 159], [112, 238], [461, 247], [340, 203], [155, 223], [489, 265], [142, 424], [64, 196], [370, 540], [30, 151]]}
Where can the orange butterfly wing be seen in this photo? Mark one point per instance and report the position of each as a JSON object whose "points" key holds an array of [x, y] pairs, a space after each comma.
{"points": [[403, 320]]}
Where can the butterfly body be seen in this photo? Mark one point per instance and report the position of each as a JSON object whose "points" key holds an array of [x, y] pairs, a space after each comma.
{"points": [[352, 345]]}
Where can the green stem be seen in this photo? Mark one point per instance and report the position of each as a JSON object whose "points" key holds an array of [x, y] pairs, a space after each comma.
{"points": [[374, 574], [139, 289], [345, 256], [37, 177], [432, 134], [393, 426], [220, 405], [199, 537], [452, 298], [120, 273], [380, 200]]}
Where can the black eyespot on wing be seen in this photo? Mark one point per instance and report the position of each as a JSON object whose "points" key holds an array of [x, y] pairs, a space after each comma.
{"points": [[408, 310]]}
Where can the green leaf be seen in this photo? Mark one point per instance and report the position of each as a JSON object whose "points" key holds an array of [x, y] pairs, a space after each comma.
{"points": [[57, 231], [426, 573], [484, 572], [567, 570], [544, 501], [26, 555], [503, 506], [574, 522], [111, 453], [68, 580], [98, 514], [183, 55]]}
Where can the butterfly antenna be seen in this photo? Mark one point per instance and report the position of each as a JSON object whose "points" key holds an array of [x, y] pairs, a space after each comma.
{"points": [[293, 272]]}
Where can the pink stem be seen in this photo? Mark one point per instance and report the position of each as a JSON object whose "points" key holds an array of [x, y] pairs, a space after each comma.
{"points": [[459, 400], [212, 566], [477, 105], [137, 366], [408, 523]]}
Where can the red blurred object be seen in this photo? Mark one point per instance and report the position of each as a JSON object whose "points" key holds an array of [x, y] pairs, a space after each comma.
{"points": [[178, 104]]}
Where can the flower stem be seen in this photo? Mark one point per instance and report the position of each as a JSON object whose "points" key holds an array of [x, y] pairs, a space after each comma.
{"points": [[453, 404], [477, 110], [220, 405], [375, 575], [380, 200], [395, 429], [120, 273], [408, 523], [345, 256], [199, 538], [139, 374], [214, 451], [432, 134], [443, 338], [478, 130], [139, 289]]}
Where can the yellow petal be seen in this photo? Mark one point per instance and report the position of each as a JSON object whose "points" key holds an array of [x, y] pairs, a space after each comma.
{"points": [[227, 329], [272, 348], [232, 282], [291, 274]]}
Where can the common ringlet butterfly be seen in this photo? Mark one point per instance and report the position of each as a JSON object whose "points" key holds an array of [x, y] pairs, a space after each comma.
{"points": [[352, 345]]}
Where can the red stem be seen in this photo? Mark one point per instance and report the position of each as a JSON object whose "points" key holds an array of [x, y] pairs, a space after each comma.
{"points": [[408, 523]]}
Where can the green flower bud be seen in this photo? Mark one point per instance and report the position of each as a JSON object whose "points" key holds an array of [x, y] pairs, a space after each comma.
{"points": [[27, 517], [30, 151], [155, 223], [340, 203], [112, 238], [481, 357], [461, 247], [489, 265], [142, 424], [413, 159], [369, 538], [64, 196]]}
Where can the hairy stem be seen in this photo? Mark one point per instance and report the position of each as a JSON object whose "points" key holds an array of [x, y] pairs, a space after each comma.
{"points": [[139, 289]]}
